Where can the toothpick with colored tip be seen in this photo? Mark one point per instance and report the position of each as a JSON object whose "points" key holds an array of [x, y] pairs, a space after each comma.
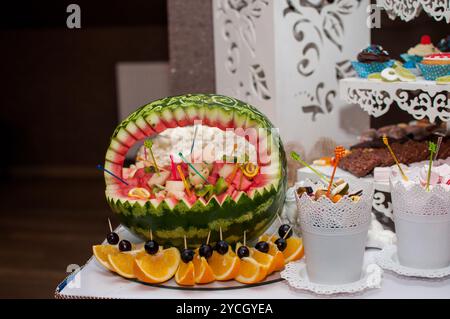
{"points": [[185, 182], [432, 148], [192, 166], [148, 144], [297, 158], [386, 142], [100, 167], [339, 153]]}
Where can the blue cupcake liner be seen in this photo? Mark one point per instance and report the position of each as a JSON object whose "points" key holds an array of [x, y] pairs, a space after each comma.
{"points": [[409, 57], [364, 69], [432, 72]]}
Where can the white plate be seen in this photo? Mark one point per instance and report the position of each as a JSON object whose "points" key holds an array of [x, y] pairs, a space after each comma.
{"points": [[388, 259], [296, 276]]}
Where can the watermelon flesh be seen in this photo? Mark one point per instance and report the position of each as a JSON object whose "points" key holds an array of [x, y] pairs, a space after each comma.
{"points": [[249, 203]]}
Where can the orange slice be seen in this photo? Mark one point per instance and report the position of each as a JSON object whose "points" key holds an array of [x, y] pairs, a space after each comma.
{"points": [[123, 264], [185, 275], [203, 272], [159, 267], [101, 252], [250, 271], [224, 267], [264, 259], [294, 249], [278, 257]]}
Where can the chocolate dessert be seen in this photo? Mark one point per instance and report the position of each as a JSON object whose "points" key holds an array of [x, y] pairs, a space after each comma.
{"points": [[409, 143], [373, 53]]}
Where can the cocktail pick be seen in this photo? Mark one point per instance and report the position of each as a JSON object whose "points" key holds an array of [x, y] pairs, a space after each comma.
{"points": [[386, 142], [148, 144], [287, 233], [110, 227], [185, 182], [185, 242], [297, 158], [245, 238], [192, 166], [438, 144], [172, 165], [339, 153], [207, 238], [100, 167], [432, 148], [193, 140]]}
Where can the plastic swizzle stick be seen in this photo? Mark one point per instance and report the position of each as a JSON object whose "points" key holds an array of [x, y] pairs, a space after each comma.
{"points": [[339, 153], [386, 142]]}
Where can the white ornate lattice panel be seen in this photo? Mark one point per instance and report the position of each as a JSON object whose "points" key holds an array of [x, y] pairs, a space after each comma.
{"points": [[286, 57], [407, 10], [420, 98]]}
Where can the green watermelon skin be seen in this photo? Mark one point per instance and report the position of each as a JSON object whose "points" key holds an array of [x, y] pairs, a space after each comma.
{"points": [[252, 213]]}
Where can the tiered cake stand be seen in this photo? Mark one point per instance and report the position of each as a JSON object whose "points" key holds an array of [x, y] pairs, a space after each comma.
{"points": [[407, 10], [419, 98]]}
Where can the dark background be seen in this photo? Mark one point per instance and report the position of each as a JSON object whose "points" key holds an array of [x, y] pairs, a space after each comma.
{"points": [[59, 106]]}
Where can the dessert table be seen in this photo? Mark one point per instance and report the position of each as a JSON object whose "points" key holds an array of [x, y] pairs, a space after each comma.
{"points": [[92, 281]]}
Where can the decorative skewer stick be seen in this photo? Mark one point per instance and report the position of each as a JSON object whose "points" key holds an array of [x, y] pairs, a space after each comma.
{"points": [[192, 166], [297, 158], [432, 148], [339, 153], [148, 144], [185, 242], [185, 182], [386, 142], [151, 234], [245, 238], [220, 232], [111, 173]]}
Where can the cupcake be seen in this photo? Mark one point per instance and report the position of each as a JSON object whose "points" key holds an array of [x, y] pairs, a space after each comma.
{"points": [[424, 48], [372, 59], [434, 66]]}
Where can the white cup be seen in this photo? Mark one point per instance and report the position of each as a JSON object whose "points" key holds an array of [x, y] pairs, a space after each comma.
{"points": [[335, 235], [422, 224]]}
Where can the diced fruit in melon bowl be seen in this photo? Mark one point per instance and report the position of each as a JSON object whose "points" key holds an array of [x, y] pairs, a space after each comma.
{"points": [[188, 178]]}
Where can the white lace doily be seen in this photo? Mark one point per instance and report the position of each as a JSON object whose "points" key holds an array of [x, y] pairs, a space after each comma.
{"points": [[387, 259], [297, 277]]}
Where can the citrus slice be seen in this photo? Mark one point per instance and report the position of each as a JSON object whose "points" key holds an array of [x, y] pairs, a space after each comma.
{"points": [[278, 258], [101, 252], [139, 192], [185, 275], [263, 258], [266, 237], [374, 77], [294, 249], [159, 267], [250, 170], [443, 79], [389, 75], [203, 272], [123, 264], [224, 267], [404, 74], [250, 271]]}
